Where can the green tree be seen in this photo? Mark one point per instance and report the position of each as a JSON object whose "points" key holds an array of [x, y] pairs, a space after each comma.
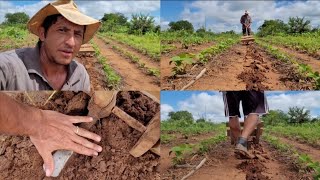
{"points": [[181, 25], [275, 117], [298, 115], [16, 18], [117, 18], [157, 29], [201, 30], [201, 120], [299, 25], [272, 27], [114, 22], [181, 116], [141, 24]]}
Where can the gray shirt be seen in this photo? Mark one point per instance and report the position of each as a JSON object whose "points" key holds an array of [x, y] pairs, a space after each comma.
{"points": [[20, 70], [245, 20]]}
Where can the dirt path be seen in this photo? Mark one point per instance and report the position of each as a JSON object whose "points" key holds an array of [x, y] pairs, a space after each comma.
{"points": [[166, 57], [222, 164], [223, 72], [95, 70], [132, 77], [166, 159], [144, 59], [242, 68], [303, 148]]}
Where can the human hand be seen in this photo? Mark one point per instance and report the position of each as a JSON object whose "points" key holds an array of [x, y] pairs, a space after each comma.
{"points": [[56, 131]]}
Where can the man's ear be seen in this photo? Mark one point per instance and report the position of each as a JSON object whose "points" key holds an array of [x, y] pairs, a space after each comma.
{"points": [[42, 35]]}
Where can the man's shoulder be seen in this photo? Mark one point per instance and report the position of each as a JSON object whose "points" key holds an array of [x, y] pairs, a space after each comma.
{"points": [[76, 66], [14, 54]]}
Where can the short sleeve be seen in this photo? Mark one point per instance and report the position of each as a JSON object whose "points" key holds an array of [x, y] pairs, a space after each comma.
{"points": [[5, 73]]}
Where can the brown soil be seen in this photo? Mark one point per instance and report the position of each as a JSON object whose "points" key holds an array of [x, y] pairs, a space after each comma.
{"points": [[95, 70], [314, 153], [302, 57], [166, 58], [132, 77], [143, 58], [166, 158], [243, 68], [19, 159], [295, 51], [222, 164]]}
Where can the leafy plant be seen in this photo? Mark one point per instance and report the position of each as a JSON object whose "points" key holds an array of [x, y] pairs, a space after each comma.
{"points": [[181, 61], [311, 164], [181, 153]]}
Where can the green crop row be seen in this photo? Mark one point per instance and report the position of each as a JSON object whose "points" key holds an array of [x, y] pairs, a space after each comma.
{"points": [[113, 79], [150, 71], [182, 151], [304, 69], [187, 39], [306, 132], [308, 42], [302, 160], [191, 128], [148, 44], [182, 60]]}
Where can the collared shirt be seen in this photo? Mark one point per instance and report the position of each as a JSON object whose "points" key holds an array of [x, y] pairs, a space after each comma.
{"points": [[20, 69], [245, 20]]}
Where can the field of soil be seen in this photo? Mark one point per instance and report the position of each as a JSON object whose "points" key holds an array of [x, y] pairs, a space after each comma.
{"points": [[133, 78], [222, 164], [242, 67], [19, 158], [95, 70]]}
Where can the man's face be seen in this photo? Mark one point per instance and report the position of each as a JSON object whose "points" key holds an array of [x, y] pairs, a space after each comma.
{"points": [[62, 41]]}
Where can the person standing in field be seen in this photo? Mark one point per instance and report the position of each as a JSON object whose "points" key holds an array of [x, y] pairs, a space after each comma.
{"points": [[254, 103], [61, 29], [246, 23]]}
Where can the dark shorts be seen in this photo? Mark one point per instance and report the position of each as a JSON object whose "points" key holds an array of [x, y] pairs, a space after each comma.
{"points": [[244, 31], [252, 102]]}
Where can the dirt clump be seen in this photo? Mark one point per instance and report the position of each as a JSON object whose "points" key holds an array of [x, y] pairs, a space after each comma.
{"points": [[254, 73], [19, 158], [139, 107], [253, 169]]}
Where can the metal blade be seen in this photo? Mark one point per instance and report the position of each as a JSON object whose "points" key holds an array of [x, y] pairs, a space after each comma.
{"points": [[60, 158]]}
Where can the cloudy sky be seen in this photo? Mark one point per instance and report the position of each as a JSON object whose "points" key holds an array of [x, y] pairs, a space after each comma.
{"points": [[209, 104], [95, 9], [222, 16]]}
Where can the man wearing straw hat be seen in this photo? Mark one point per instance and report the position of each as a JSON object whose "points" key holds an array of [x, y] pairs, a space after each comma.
{"points": [[61, 29], [246, 23]]}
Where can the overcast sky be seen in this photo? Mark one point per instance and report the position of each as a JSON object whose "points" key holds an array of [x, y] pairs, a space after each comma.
{"points": [[95, 9], [209, 104], [225, 15]]}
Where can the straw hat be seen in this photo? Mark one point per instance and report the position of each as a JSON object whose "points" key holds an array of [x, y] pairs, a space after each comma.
{"points": [[69, 10]]}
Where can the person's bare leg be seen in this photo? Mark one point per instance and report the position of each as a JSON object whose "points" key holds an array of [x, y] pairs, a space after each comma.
{"points": [[235, 127], [250, 124]]}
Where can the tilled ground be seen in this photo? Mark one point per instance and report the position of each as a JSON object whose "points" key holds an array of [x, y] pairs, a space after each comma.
{"points": [[98, 79], [19, 158], [243, 67], [222, 164]]}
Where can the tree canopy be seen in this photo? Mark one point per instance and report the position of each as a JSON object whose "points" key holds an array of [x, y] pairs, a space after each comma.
{"points": [[181, 25], [16, 18]]}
